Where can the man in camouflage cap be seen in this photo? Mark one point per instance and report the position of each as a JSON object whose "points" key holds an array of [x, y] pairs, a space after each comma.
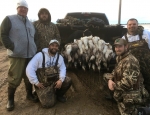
{"points": [[124, 77]]}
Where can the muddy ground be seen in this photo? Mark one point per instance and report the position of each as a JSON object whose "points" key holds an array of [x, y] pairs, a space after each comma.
{"points": [[81, 99]]}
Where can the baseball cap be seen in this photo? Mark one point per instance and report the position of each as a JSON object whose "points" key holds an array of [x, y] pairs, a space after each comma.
{"points": [[120, 41], [54, 41], [22, 3]]}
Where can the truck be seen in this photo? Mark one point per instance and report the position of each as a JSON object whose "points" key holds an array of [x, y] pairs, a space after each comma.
{"points": [[107, 32], [79, 21]]}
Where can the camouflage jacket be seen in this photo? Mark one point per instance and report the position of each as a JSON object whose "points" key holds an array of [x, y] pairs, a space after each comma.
{"points": [[127, 78], [44, 33], [126, 72]]}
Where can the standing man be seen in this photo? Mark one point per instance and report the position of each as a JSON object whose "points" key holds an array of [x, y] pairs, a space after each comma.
{"points": [[17, 34], [45, 29], [47, 72], [125, 79], [139, 45]]}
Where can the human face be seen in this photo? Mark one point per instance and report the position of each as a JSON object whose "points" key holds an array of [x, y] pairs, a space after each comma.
{"points": [[132, 26], [120, 49], [43, 16], [22, 11], [53, 48]]}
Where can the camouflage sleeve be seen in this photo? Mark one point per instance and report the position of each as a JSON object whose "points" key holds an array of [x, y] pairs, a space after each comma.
{"points": [[112, 73], [108, 76], [36, 35], [57, 34], [130, 74]]}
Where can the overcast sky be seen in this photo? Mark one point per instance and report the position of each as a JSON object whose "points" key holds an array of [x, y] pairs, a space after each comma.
{"points": [[58, 8]]}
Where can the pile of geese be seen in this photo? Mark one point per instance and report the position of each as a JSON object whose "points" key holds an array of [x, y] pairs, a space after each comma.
{"points": [[88, 52]]}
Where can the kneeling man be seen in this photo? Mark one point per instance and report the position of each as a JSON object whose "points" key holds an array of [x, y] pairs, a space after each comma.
{"points": [[126, 80], [47, 72]]}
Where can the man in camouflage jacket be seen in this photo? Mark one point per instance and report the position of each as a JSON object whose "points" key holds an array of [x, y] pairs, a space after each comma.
{"points": [[125, 77], [45, 29]]}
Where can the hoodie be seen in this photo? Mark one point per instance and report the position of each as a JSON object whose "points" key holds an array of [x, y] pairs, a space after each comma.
{"points": [[45, 31], [36, 63]]}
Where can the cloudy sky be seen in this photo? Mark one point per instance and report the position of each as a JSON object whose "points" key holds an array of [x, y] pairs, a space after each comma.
{"points": [[58, 8]]}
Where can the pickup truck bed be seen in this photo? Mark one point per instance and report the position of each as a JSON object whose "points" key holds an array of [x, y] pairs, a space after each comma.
{"points": [[92, 79], [107, 32], [86, 16]]}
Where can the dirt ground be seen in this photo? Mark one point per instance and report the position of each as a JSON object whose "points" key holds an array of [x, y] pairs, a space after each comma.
{"points": [[81, 100]]}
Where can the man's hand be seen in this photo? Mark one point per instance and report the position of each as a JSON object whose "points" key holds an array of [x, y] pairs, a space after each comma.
{"points": [[40, 86], [58, 84], [111, 85]]}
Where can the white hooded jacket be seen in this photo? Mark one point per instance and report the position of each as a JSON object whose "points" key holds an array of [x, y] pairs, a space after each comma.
{"points": [[36, 63]]}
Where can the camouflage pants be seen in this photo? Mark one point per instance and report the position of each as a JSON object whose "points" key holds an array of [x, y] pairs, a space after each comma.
{"points": [[143, 57], [126, 110], [48, 95]]}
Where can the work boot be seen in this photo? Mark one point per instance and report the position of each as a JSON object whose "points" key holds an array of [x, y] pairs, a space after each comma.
{"points": [[10, 103], [61, 99], [30, 96]]}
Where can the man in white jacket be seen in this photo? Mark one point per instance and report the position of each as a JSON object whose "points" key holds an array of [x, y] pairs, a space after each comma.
{"points": [[139, 45], [47, 71]]}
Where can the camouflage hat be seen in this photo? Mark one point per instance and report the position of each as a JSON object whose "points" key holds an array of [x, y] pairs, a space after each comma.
{"points": [[120, 41]]}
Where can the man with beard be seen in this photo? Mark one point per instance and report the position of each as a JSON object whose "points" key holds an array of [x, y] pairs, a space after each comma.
{"points": [[47, 72], [45, 29], [139, 45], [17, 34], [126, 79]]}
